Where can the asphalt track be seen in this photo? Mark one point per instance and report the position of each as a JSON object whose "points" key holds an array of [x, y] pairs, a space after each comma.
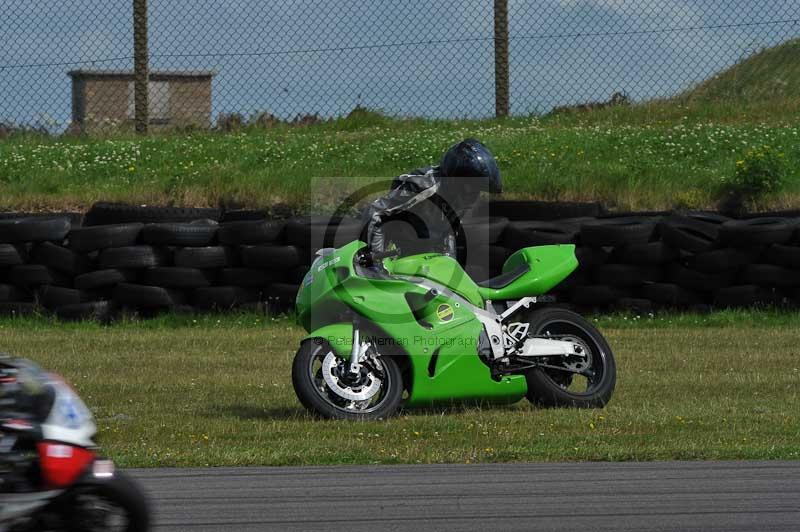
{"points": [[729, 496]]}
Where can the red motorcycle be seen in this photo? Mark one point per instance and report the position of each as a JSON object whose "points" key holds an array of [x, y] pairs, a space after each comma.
{"points": [[51, 477]]}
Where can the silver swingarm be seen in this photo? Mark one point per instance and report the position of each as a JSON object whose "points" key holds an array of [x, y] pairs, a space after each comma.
{"points": [[514, 333], [542, 347]]}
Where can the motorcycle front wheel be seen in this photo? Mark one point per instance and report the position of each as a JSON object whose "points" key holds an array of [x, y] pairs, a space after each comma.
{"points": [[325, 386], [115, 505], [580, 382]]}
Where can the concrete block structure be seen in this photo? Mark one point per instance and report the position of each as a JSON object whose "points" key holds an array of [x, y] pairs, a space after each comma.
{"points": [[104, 99]]}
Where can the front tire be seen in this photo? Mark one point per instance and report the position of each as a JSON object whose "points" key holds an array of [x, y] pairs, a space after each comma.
{"points": [[558, 388], [117, 504], [316, 393]]}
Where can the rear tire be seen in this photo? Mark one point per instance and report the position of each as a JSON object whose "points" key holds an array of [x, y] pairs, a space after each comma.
{"points": [[546, 387], [324, 401]]}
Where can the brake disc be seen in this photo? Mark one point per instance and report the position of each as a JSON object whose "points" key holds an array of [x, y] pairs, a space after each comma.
{"points": [[368, 386]]}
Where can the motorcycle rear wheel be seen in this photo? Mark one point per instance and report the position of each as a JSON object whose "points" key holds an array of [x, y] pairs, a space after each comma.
{"points": [[318, 397], [558, 388]]}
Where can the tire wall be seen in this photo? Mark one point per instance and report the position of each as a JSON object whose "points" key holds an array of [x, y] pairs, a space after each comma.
{"points": [[147, 260]]}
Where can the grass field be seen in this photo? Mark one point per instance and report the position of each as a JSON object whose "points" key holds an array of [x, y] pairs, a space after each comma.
{"points": [[216, 391], [646, 157], [654, 155]]}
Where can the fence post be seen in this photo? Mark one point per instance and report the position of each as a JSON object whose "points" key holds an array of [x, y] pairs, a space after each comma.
{"points": [[141, 66], [501, 74]]}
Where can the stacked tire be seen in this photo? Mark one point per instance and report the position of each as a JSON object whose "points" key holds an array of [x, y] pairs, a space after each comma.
{"points": [[262, 267], [38, 269], [690, 260], [617, 256], [764, 262], [157, 281], [150, 259]]}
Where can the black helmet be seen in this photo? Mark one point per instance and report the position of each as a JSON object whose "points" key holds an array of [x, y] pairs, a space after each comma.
{"points": [[18, 373], [470, 158], [23, 391], [8, 371]]}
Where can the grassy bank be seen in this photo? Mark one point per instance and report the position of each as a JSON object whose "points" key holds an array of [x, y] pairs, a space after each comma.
{"points": [[656, 156], [217, 391]]}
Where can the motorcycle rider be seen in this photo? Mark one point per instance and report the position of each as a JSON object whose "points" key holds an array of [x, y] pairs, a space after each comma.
{"points": [[48, 459], [25, 401], [24, 393], [433, 200]]}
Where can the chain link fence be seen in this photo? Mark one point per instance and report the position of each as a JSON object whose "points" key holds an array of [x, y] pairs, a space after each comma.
{"points": [[64, 63]]}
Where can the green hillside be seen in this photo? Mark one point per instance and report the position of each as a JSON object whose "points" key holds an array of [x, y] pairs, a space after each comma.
{"points": [[652, 155], [772, 74]]}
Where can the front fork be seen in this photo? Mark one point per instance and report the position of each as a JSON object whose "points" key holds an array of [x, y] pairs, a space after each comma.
{"points": [[355, 352]]}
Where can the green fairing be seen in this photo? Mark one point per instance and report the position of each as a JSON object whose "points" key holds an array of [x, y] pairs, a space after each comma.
{"points": [[459, 374], [441, 269], [549, 265], [439, 335], [338, 335]]}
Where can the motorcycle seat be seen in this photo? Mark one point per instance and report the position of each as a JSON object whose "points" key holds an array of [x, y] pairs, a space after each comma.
{"points": [[505, 279]]}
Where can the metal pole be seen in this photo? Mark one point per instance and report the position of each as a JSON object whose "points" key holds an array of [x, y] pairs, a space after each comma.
{"points": [[141, 66], [501, 73]]}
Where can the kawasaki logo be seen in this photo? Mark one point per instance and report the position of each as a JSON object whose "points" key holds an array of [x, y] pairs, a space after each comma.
{"points": [[444, 312]]}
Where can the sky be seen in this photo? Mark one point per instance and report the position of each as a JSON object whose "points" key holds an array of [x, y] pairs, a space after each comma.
{"points": [[411, 58]]}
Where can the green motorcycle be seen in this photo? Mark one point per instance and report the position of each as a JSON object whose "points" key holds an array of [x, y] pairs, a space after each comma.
{"points": [[386, 332]]}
